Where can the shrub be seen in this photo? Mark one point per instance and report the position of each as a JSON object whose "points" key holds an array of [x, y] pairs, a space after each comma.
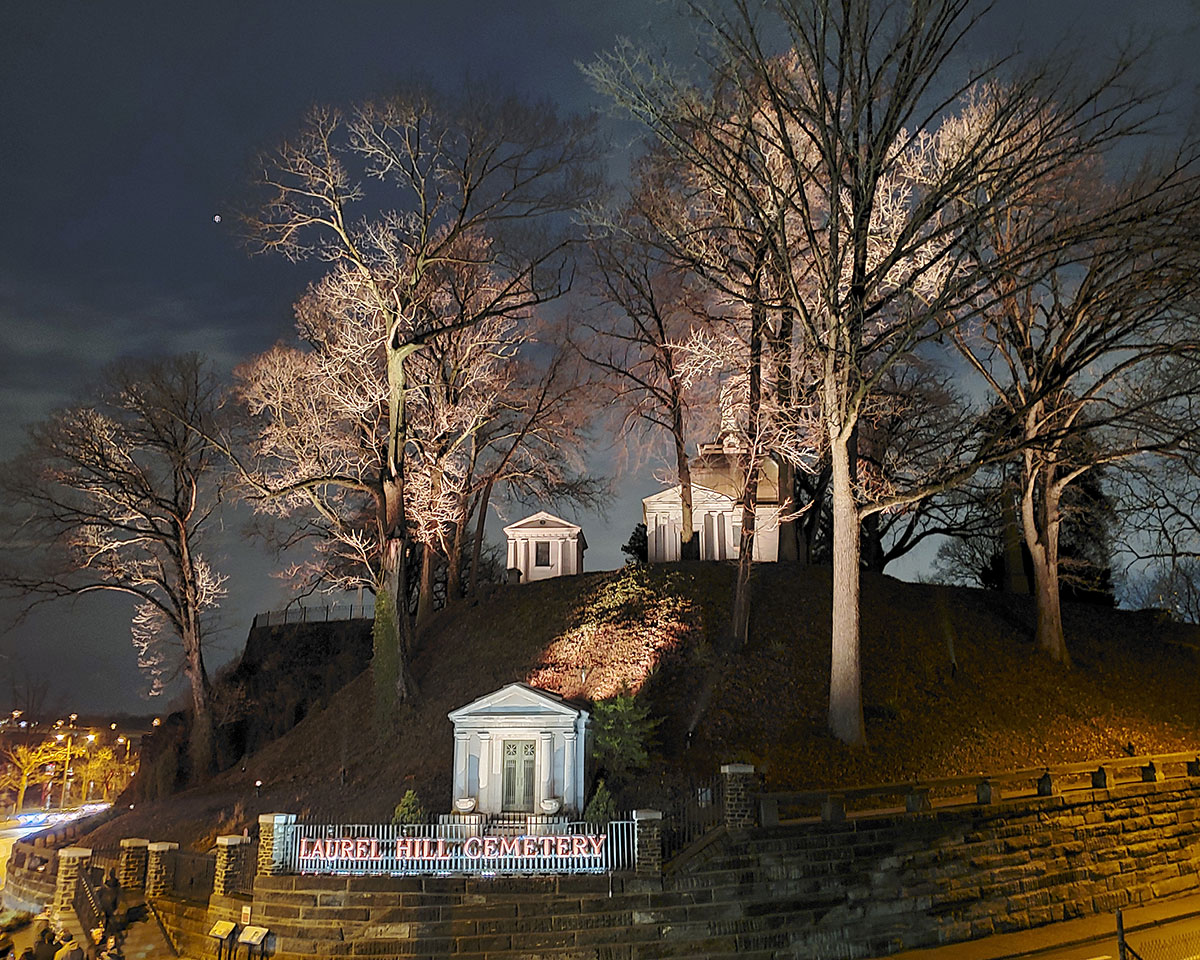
{"points": [[601, 808], [623, 730], [409, 809]]}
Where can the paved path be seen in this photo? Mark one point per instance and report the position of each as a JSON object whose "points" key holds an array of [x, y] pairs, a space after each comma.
{"points": [[1088, 938]]}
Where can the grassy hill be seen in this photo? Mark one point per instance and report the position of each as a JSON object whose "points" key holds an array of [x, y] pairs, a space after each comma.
{"points": [[951, 686]]}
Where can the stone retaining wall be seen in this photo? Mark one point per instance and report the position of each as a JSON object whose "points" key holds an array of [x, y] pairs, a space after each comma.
{"points": [[859, 888], [29, 878]]}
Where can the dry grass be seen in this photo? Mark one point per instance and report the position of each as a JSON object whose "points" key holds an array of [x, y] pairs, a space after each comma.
{"points": [[1131, 687]]}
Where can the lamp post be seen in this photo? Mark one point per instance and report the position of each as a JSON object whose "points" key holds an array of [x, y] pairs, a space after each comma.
{"points": [[62, 803]]}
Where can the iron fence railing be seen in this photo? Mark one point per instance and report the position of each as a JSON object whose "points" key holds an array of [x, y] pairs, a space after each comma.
{"points": [[86, 904], [194, 875], [309, 614], [451, 848], [1181, 946], [101, 861], [692, 812], [241, 881]]}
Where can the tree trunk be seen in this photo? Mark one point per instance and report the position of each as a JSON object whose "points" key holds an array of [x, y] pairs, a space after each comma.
{"points": [[788, 548], [201, 741], [873, 557], [689, 543], [789, 551], [740, 622], [454, 563], [21, 788], [1043, 549], [477, 546], [425, 591], [391, 633], [739, 627], [845, 693]]}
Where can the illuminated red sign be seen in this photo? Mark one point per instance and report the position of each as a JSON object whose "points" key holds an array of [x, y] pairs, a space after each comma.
{"points": [[472, 848]]}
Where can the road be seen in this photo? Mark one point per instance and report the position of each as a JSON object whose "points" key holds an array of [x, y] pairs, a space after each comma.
{"points": [[1183, 934]]}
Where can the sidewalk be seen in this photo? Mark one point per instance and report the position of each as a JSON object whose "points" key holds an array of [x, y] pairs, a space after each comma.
{"points": [[1066, 933]]}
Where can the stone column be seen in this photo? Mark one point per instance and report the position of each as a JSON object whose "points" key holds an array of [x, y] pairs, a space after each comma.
{"points": [[461, 786], [274, 839], [71, 862], [570, 790], [160, 869], [485, 768], [648, 850], [230, 850], [739, 795], [132, 867], [546, 750]]}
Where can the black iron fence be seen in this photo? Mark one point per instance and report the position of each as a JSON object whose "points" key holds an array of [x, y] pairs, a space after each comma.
{"points": [[304, 614], [693, 811], [1182, 946], [194, 875], [241, 882], [104, 859], [87, 904]]}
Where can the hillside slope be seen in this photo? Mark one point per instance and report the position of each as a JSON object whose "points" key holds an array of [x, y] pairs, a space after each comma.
{"points": [[950, 679]]}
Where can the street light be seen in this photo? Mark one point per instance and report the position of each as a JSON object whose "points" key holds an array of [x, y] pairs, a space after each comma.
{"points": [[62, 803]]}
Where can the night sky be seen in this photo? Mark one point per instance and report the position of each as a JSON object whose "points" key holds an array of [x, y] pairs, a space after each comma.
{"points": [[126, 127]]}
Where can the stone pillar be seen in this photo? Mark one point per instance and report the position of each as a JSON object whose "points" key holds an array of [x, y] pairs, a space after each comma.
{"points": [[648, 849], [570, 790], [546, 751], [160, 869], [461, 786], [131, 870], [274, 839], [230, 851], [71, 862], [739, 795]]}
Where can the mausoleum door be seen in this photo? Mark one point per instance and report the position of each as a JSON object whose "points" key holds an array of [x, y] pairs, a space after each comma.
{"points": [[519, 756]]}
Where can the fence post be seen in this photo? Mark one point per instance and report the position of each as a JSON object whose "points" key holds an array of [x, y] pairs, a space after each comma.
{"points": [[230, 850], [71, 861], [160, 869], [131, 870], [274, 835], [648, 848], [739, 789]]}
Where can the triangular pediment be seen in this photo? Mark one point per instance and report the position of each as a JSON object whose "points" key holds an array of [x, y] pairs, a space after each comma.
{"points": [[516, 700], [542, 521], [672, 495]]}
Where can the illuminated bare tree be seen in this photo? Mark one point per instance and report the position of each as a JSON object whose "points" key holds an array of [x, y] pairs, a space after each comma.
{"points": [[25, 768], [460, 228], [115, 496], [645, 311], [842, 167], [1093, 351]]}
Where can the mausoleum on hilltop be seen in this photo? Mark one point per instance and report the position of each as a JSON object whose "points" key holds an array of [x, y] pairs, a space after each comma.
{"points": [[717, 486], [544, 546], [520, 752]]}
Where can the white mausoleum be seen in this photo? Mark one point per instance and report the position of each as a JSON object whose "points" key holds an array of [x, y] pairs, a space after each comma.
{"points": [[545, 546], [716, 509], [519, 751]]}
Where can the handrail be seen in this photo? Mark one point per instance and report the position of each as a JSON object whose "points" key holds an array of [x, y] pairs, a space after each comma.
{"points": [[1103, 775]]}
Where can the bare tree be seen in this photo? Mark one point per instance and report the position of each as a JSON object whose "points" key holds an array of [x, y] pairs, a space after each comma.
{"points": [[1092, 351], [851, 171], [115, 496], [460, 230], [645, 312], [25, 766]]}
